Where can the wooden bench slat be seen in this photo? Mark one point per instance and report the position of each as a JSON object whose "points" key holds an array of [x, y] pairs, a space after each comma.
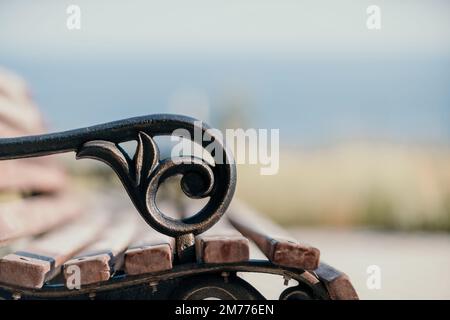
{"points": [[222, 243], [6, 131], [100, 260], [35, 215], [17, 109], [22, 118], [42, 260], [19, 116], [273, 241], [150, 252], [338, 283], [25, 175]]}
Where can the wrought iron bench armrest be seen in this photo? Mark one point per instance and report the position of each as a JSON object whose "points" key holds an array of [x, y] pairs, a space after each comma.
{"points": [[143, 174], [141, 177]]}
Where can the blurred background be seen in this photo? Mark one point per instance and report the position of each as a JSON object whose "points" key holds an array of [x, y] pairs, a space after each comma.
{"points": [[364, 115]]}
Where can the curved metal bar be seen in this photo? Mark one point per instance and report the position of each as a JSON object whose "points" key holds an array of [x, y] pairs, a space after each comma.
{"points": [[116, 131], [142, 175], [178, 272]]}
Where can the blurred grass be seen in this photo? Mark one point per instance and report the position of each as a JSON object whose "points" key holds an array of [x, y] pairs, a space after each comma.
{"points": [[382, 186], [377, 185]]}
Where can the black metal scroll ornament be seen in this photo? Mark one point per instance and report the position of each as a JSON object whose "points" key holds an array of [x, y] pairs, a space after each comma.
{"points": [[143, 174]]}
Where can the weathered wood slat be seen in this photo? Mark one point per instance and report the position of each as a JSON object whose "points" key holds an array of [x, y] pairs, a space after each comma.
{"points": [[338, 283], [24, 118], [24, 175], [35, 215], [19, 117], [7, 132], [221, 244], [274, 242], [42, 260], [100, 260], [150, 252], [17, 109]]}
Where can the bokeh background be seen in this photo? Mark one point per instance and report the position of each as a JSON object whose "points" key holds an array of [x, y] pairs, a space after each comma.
{"points": [[364, 115]]}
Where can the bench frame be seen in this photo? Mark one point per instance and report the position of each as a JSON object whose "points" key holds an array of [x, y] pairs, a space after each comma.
{"points": [[166, 284], [141, 177]]}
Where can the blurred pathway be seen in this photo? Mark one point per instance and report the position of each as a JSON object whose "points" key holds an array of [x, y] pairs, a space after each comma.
{"points": [[413, 265]]}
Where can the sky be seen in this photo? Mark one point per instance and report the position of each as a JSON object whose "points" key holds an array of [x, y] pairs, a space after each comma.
{"points": [[224, 27], [310, 68]]}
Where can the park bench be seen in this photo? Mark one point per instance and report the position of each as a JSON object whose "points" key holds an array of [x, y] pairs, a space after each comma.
{"points": [[116, 256]]}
